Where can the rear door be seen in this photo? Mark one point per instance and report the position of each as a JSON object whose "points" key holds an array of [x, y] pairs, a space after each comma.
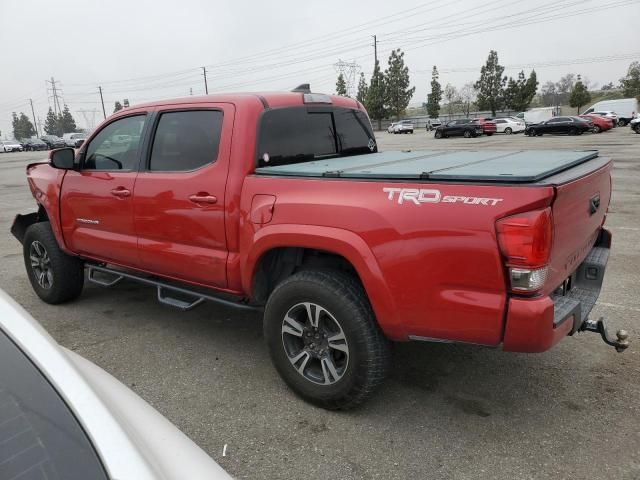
{"points": [[96, 200], [179, 194]]}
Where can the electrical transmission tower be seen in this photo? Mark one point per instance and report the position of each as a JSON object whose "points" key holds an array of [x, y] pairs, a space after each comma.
{"points": [[89, 118], [349, 71], [55, 93]]}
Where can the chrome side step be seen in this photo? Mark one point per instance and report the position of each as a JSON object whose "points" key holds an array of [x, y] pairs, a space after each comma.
{"points": [[193, 298]]}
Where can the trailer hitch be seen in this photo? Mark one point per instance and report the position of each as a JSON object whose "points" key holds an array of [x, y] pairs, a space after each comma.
{"points": [[622, 342]]}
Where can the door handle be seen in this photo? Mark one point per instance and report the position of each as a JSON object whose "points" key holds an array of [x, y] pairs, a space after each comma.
{"points": [[120, 192], [203, 198]]}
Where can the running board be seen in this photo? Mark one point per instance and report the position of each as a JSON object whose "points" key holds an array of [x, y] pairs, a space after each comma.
{"points": [[164, 289]]}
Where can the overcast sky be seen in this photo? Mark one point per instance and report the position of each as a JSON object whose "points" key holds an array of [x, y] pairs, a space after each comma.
{"points": [[151, 49]]}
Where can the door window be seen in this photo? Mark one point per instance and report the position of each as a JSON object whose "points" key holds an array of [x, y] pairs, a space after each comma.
{"points": [[116, 146], [186, 140]]}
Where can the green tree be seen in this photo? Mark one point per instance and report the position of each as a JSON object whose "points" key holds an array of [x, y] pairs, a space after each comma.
{"points": [[341, 86], [607, 87], [363, 88], [117, 106], [519, 93], [398, 93], [376, 96], [22, 126], [491, 84], [579, 95], [434, 98], [67, 123], [631, 82], [51, 124]]}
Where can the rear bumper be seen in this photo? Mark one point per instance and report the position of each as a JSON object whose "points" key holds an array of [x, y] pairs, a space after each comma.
{"points": [[537, 324]]}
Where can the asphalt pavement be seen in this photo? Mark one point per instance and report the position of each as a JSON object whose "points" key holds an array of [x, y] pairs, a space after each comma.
{"points": [[446, 412]]}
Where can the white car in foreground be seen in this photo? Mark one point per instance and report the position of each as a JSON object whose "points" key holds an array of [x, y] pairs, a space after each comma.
{"points": [[509, 125], [10, 146], [403, 126], [63, 417]]}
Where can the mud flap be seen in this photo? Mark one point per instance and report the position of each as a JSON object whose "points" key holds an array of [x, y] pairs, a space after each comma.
{"points": [[21, 223]]}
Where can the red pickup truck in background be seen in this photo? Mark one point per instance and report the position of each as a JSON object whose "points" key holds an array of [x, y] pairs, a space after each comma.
{"points": [[282, 202]]}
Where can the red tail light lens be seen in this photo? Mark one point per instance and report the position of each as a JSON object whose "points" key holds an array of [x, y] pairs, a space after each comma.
{"points": [[525, 239]]}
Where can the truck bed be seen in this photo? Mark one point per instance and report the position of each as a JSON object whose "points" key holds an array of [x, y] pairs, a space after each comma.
{"points": [[496, 166]]}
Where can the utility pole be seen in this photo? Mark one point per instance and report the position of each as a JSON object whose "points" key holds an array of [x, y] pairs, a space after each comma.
{"points": [[104, 113], [206, 88], [191, 91], [375, 48], [34, 117]]}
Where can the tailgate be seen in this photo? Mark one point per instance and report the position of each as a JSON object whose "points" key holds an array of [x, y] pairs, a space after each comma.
{"points": [[579, 210]]}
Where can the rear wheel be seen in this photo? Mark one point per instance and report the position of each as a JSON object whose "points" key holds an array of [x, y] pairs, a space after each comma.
{"points": [[596, 129], [55, 276], [622, 122], [438, 134], [573, 131], [508, 131], [467, 134], [324, 340], [489, 134]]}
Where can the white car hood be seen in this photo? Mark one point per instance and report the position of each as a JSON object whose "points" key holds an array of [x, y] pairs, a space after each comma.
{"points": [[131, 438]]}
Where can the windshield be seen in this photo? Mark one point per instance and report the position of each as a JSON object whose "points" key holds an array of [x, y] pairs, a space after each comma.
{"points": [[302, 134]]}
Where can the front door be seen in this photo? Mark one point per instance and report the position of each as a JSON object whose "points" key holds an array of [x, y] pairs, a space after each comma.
{"points": [[97, 199], [179, 198]]}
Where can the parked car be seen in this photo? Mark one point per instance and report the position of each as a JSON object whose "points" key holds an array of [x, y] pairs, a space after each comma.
{"points": [[73, 139], [33, 144], [465, 127], [75, 420], [625, 109], [509, 125], [11, 146], [600, 124], [53, 141], [403, 126], [433, 123], [391, 127], [558, 125], [613, 116], [342, 247], [635, 124], [487, 124]]}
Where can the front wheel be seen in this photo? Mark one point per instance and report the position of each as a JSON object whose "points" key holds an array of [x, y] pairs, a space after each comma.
{"points": [[55, 276], [508, 131], [489, 134], [467, 134], [438, 134], [573, 131], [596, 129], [622, 122], [324, 340]]}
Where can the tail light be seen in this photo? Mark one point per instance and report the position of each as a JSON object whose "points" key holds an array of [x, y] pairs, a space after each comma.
{"points": [[525, 243]]}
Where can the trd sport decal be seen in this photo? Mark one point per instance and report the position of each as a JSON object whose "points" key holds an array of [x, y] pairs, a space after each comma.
{"points": [[429, 195]]}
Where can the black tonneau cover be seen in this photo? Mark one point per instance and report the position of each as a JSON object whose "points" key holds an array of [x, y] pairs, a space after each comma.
{"points": [[482, 166]]}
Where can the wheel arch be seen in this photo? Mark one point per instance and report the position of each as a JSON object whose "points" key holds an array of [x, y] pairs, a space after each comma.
{"points": [[280, 250]]}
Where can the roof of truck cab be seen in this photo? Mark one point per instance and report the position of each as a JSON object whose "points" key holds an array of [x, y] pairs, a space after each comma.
{"points": [[272, 100]]}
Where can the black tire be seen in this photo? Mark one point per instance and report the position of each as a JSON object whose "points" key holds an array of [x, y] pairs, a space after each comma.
{"points": [[345, 303], [622, 122], [508, 131], [489, 134], [573, 131], [64, 274], [467, 134], [438, 134], [597, 129]]}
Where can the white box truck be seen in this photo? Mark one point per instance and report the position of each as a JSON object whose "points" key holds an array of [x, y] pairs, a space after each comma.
{"points": [[536, 115], [625, 108]]}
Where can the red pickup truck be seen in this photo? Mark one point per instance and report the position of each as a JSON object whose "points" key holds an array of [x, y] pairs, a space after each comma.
{"points": [[282, 202]]}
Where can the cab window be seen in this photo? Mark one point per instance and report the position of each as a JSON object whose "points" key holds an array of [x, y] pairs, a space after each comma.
{"points": [[116, 146]]}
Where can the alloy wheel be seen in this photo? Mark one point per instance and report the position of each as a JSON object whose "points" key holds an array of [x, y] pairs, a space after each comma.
{"points": [[41, 265]]}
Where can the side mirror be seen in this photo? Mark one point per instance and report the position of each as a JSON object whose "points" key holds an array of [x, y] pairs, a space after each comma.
{"points": [[62, 158]]}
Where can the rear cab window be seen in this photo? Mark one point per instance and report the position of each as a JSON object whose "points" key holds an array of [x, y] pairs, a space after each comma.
{"points": [[302, 134]]}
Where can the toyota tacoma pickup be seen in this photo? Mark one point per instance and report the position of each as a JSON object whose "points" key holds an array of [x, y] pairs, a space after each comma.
{"points": [[282, 203]]}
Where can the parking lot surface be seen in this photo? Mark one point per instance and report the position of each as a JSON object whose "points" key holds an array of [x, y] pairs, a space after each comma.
{"points": [[446, 412]]}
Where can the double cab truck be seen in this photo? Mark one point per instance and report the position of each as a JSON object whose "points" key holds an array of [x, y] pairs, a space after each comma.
{"points": [[282, 203]]}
